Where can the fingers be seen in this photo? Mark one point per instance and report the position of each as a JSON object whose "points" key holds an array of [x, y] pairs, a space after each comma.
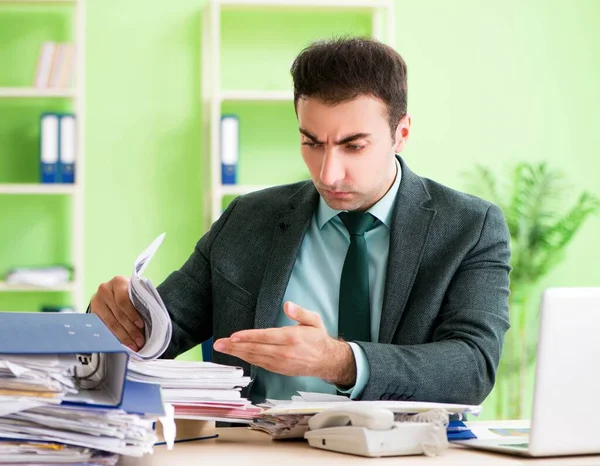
{"points": [[266, 362], [121, 292], [272, 336], [225, 345], [114, 303], [252, 353], [302, 316], [105, 305]]}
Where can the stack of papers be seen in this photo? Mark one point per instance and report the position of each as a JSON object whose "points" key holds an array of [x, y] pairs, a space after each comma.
{"points": [[21, 452], [109, 430], [36, 377], [40, 276], [289, 418], [198, 390]]}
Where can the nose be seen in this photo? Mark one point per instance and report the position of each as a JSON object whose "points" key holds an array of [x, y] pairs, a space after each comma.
{"points": [[332, 169]]}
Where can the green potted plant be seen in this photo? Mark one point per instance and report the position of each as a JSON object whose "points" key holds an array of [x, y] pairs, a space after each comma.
{"points": [[541, 228]]}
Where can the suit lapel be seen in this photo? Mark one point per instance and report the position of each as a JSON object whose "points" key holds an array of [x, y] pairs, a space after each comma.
{"points": [[409, 231], [288, 232]]}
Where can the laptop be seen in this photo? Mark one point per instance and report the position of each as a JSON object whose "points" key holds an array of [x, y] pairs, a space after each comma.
{"points": [[566, 403]]}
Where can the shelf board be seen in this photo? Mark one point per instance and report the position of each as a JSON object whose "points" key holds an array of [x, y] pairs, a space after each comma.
{"points": [[6, 287], [42, 2], [37, 188], [32, 92], [256, 96], [336, 4], [229, 189]]}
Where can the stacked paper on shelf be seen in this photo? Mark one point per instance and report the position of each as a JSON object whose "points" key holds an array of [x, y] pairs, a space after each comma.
{"points": [[39, 276], [198, 390], [289, 419]]}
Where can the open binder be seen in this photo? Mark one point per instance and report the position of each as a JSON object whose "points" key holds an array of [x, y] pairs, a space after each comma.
{"points": [[101, 359]]}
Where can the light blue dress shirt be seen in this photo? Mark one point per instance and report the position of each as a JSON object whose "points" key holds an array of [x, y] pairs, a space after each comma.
{"points": [[315, 285]]}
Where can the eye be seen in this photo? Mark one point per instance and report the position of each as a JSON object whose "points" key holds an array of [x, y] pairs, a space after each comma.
{"points": [[354, 147], [312, 145]]}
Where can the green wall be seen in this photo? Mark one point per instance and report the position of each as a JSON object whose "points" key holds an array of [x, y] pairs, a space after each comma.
{"points": [[489, 83]]}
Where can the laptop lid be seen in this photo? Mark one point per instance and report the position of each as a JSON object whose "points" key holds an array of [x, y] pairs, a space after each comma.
{"points": [[566, 405]]}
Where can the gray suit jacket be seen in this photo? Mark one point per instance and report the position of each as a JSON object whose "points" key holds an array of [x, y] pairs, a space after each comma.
{"points": [[445, 305]]}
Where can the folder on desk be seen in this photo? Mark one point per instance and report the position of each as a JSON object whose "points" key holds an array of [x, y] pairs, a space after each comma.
{"points": [[82, 335], [142, 398]]}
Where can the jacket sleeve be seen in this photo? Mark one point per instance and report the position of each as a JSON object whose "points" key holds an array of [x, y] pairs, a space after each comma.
{"points": [[187, 294], [459, 364]]}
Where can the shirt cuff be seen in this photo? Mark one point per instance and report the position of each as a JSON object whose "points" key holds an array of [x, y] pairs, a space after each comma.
{"points": [[363, 372]]}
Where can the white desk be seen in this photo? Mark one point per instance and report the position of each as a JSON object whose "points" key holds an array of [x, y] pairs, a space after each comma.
{"points": [[243, 447]]}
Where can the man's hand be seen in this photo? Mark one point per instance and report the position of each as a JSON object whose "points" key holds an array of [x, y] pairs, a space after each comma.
{"points": [[112, 304], [303, 349]]}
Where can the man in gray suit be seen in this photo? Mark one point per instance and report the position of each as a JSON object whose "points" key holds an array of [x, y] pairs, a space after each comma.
{"points": [[368, 280]]}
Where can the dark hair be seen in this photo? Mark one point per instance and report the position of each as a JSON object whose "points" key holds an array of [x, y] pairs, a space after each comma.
{"points": [[341, 69]]}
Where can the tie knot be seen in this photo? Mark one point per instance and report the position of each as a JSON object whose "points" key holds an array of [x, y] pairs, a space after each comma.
{"points": [[358, 223]]}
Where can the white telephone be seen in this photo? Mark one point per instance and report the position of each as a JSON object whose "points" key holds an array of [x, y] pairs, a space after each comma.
{"points": [[371, 431]]}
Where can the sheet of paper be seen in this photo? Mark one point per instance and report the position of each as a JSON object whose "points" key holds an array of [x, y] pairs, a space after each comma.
{"points": [[148, 303]]}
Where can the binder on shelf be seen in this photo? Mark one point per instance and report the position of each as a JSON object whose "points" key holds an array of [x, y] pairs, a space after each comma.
{"points": [[230, 148], [67, 146], [49, 148], [101, 357]]}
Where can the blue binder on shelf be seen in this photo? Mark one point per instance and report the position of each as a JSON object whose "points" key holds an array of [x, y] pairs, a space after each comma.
{"points": [[67, 148], [49, 148], [82, 334], [230, 148]]}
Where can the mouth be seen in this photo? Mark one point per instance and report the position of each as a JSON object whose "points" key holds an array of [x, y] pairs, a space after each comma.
{"points": [[337, 194]]}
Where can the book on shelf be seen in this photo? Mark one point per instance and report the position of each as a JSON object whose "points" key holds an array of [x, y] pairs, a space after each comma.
{"points": [[55, 65]]}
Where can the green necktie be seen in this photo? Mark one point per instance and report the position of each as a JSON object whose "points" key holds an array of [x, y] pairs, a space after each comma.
{"points": [[354, 320]]}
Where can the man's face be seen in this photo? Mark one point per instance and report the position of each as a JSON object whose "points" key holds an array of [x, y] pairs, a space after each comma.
{"points": [[349, 150]]}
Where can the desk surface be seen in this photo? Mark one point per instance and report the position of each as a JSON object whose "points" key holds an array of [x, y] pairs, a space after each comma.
{"points": [[245, 447]]}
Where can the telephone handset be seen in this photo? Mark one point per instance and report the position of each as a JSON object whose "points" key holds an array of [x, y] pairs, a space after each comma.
{"points": [[371, 431]]}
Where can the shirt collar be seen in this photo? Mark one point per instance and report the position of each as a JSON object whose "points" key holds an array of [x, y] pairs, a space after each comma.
{"points": [[382, 210]]}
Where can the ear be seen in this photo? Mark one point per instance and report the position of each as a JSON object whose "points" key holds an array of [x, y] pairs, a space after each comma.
{"points": [[402, 133]]}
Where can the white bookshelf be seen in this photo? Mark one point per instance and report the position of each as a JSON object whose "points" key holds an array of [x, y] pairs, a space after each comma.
{"points": [[41, 2], [256, 96], [382, 26], [239, 189], [32, 92], [67, 287], [38, 188], [76, 94]]}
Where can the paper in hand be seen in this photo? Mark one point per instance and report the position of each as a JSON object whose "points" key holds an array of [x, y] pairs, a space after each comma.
{"points": [[149, 304]]}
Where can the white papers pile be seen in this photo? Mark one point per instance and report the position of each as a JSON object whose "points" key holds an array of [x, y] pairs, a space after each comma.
{"points": [[289, 419], [36, 428], [198, 390], [23, 452], [152, 309], [109, 430], [40, 276], [36, 377]]}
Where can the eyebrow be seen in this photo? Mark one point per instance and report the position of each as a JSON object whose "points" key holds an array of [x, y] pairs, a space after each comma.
{"points": [[342, 141]]}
